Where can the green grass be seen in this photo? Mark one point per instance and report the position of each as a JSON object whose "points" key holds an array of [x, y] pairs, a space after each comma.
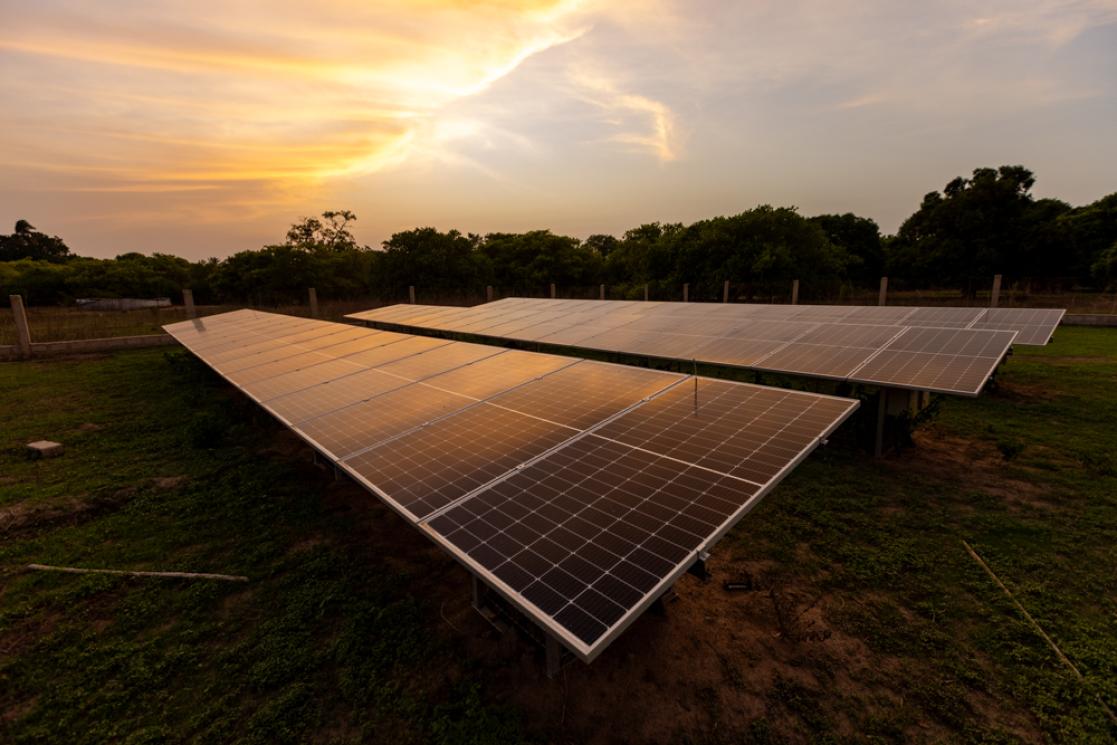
{"points": [[327, 640], [333, 640]]}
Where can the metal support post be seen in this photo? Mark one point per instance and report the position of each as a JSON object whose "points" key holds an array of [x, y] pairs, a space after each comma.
{"points": [[313, 294], [552, 290], [725, 292], [489, 294], [411, 293], [686, 292], [602, 297], [646, 293], [188, 301], [554, 657], [996, 291], [883, 290], [882, 406], [477, 591], [795, 292]]}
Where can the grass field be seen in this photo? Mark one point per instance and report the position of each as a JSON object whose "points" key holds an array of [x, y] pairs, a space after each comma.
{"points": [[866, 619]]}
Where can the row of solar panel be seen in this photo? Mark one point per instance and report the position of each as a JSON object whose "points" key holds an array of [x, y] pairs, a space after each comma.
{"points": [[1033, 325], [922, 357], [579, 489]]}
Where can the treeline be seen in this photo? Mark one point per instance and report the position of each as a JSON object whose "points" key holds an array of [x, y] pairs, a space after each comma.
{"points": [[959, 237]]}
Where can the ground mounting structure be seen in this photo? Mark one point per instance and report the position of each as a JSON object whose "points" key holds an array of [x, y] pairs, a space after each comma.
{"points": [[579, 491]]}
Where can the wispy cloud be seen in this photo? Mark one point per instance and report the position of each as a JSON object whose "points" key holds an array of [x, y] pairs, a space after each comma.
{"points": [[641, 122]]}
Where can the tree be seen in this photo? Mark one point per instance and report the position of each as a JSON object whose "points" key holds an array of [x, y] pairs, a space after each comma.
{"points": [[530, 261], [974, 228], [860, 238], [26, 242], [1090, 233], [428, 258], [331, 233]]}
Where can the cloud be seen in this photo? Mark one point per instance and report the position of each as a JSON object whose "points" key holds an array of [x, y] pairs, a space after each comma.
{"points": [[271, 98], [643, 123]]}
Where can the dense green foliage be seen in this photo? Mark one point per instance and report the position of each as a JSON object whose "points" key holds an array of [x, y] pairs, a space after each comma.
{"points": [[975, 227]]}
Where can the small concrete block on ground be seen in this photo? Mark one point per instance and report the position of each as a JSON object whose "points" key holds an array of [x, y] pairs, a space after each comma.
{"points": [[44, 449]]}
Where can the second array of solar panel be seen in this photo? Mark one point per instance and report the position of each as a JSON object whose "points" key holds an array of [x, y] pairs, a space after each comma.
{"points": [[796, 340], [1033, 325]]}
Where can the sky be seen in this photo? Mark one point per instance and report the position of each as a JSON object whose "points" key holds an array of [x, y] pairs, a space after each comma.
{"points": [[204, 128]]}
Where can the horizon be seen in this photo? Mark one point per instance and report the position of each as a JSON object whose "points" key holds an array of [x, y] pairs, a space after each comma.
{"points": [[170, 130]]}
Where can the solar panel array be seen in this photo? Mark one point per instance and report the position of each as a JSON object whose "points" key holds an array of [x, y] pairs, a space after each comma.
{"points": [[948, 350], [580, 490]]}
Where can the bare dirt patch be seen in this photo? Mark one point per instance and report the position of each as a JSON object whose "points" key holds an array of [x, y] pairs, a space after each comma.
{"points": [[1016, 391], [984, 465], [28, 517]]}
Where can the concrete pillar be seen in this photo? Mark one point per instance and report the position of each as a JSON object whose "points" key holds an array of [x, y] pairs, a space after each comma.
{"points": [[645, 292], [883, 290], [23, 331], [489, 293], [411, 294], [188, 301], [996, 291], [602, 292], [725, 292], [686, 292], [313, 294], [552, 290], [795, 292]]}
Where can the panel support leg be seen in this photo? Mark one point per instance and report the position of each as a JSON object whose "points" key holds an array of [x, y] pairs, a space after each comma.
{"points": [[477, 592], [699, 569], [554, 657], [882, 407]]}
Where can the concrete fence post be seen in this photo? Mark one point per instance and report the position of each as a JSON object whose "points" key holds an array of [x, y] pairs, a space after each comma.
{"points": [[725, 292], [795, 292], [552, 290], [313, 295], [686, 292], [996, 291], [23, 331], [883, 291], [488, 293], [602, 292], [645, 292], [411, 294], [188, 301]]}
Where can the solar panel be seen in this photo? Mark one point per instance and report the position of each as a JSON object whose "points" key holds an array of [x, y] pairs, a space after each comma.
{"points": [[945, 360], [432, 466], [332, 395], [493, 375], [589, 535], [830, 342], [744, 431], [1033, 325], [586, 393], [579, 490], [355, 428]]}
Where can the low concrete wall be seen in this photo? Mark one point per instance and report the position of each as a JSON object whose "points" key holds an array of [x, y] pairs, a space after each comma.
{"points": [[1090, 319], [87, 346]]}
